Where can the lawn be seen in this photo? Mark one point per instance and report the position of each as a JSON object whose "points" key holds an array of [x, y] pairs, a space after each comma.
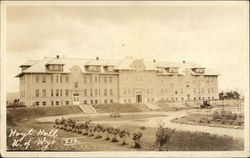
{"points": [[180, 140]]}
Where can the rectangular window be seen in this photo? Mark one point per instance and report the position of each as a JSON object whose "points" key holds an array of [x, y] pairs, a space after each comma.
{"points": [[57, 92], [37, 79], [57, 102], [85, 92], [37, 103], [44, 79], [95, 79], [51, 78], [57, 78], [91, 101], [194, 90], [105, 101], [85, 79], [85, 102], [96, 101], [96, 92], [66, 102], [90, 79], [110, 79], [91, 92], [52, 92], [66, 92], [67, 79], [76, 84], [111, 92], [52, 103], [61, 78], [60, 92], [44, 103], [111, 101], [105, 79], [105, 92], [37, 92], [44, 92]]}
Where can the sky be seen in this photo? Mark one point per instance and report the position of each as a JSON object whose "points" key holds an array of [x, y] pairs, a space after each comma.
{"points": [[209, 35]]}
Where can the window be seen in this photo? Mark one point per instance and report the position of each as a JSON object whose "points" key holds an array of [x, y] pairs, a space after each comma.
{"points": [[67, 79], [208, 90], [162, 91], [66, 102], [51, 79], [110, 79], [61, 78], [90, 77], [44, 103], [37, 103], [57, 78], [212, 90], [85, 79], [76, 84], [182, 99], [52, 103], [53, 67], [91, 102], [194, 98], [60, 92], [37, 79], [148, 100], [57, 92], [176, 99], [91, 92], [96, 101], [85, 92], [152, 99], [66, 92], [111, 101], [105, 101], [96, 92], [111, 92], [125, 92], [44, 92], [176, 92], [37, 92], [52, 92], [44, 79], [95, 79], [194, 90], [125, 100], [129, 100], [105, 92], [105, 79], [85, 102], [57, 102]]}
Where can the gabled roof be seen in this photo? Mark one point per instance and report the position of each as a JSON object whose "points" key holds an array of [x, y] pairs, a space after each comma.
{"points": [[39, 66], [29, 63]]}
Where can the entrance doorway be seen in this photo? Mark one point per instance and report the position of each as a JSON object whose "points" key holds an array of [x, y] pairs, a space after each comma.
{"points": [[138, 98], [76, 100]]}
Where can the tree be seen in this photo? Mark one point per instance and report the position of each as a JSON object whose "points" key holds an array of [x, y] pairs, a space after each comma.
{"points": [[137, 137]]}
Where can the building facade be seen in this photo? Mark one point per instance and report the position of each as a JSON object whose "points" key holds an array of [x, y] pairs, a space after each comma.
{"points": [[66, 81]]}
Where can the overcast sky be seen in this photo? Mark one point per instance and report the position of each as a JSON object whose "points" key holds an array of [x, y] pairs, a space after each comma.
{"points": [[213, 36]]}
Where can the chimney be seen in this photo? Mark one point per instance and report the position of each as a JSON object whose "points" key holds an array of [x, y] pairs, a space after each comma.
{"points": [[183, 61], [97, 58], [57, 56], [154, 60]]}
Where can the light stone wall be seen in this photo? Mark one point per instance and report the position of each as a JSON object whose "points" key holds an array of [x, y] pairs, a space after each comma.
{"points": [[125, 85]]}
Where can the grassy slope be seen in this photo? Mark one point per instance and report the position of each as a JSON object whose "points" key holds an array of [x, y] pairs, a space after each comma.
{"points": [[181, 141], [104, 108]]}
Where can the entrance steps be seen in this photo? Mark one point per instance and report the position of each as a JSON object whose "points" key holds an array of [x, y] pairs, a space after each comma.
{"points": [[87, 109], [152, 106]]}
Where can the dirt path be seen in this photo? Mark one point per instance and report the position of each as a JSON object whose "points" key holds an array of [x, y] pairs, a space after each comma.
{"points": [[154, 122]]}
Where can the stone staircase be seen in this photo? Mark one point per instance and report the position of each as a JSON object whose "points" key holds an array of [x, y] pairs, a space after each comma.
{"points": [[87, 109], [152, 106]]}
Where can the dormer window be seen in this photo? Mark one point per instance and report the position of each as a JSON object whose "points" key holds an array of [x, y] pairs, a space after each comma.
{"points": [[93, 68], [199, 70], [172, 70], [109, 68], [55, 67]]}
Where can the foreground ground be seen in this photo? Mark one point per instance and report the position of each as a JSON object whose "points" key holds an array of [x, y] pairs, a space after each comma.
{"points": [[182, 139]]}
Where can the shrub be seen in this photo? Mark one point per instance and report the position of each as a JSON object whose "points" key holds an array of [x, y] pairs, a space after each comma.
{"points": [[137, 137], [163, 136]]}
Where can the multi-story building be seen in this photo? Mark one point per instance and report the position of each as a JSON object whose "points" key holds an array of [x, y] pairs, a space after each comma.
{"points": [[66, 81]]}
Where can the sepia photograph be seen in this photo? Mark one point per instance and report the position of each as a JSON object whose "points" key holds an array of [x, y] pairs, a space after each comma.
{"points": [[125, 79]]}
